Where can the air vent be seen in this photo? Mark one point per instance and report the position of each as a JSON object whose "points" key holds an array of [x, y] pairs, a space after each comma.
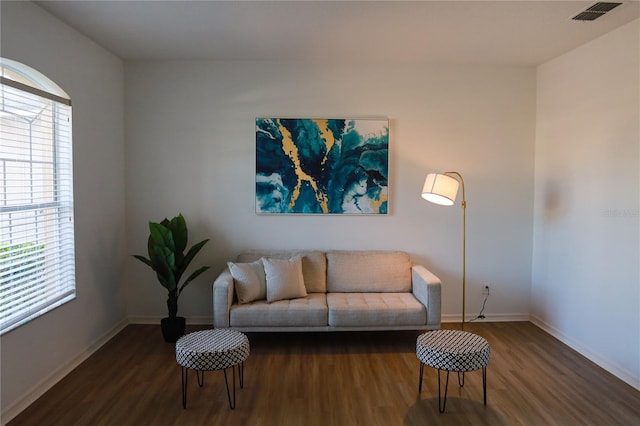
{"points": [[596, 11]]}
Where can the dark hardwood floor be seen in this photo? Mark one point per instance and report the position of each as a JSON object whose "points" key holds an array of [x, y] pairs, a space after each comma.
{"points": [[365, 378]]}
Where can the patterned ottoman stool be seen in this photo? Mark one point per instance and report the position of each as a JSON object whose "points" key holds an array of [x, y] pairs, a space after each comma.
{"points": [[453, 350], [209, 350]]}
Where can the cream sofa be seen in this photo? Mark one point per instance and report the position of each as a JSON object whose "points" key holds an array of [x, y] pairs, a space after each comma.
{"points": [[341, 290]]}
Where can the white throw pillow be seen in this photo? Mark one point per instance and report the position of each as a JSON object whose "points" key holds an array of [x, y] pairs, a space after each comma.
{"points": [[249, 280], [284, 278]]}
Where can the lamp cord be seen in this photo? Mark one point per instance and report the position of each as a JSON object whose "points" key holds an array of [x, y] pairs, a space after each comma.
{"points": [[481, 314]]}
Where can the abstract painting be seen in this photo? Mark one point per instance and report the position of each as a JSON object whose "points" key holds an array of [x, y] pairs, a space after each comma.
{"points": [[322, 166]]}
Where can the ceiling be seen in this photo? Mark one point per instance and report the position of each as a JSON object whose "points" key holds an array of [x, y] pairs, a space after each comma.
{"points": [[461, 32]]}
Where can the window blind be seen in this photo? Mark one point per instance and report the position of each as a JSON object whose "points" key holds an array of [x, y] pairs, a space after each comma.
{"points": [[37, 260]]}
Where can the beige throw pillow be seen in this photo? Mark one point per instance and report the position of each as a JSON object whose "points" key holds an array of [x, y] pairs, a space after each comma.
{"points": [[284, 278], [249, 280]]}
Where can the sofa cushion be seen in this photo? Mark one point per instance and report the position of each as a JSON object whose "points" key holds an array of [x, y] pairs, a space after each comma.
{"points": [[308, 311], [375, 309], [314, 265], [368, 271], [284, 278], [249, 280]]}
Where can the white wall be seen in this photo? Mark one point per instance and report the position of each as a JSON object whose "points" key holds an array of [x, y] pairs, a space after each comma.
{"points": [[190, 147], [586, 280], [37, 354]]}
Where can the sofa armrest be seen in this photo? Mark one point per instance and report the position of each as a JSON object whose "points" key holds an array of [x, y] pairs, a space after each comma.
{"points": [[222, 298], [426, 287]]}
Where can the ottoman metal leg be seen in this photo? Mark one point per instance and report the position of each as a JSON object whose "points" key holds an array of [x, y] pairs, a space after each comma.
{"points": [[226, 382], [446, 388], [484, 384], [200, 376], [442, 404], [183, 380], [421, 375]]}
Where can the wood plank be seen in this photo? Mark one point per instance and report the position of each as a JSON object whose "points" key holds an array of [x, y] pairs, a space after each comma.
{"points": [[350, 378]]}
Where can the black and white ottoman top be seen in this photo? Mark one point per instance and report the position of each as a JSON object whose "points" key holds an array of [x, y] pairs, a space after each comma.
{"points": [[453, 350], [212, 349]]}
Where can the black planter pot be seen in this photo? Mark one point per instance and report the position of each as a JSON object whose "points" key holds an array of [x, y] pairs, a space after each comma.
{"points": [[172, 328]]}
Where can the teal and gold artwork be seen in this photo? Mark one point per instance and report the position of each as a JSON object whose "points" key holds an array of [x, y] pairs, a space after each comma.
{"points": [[322, 166]]}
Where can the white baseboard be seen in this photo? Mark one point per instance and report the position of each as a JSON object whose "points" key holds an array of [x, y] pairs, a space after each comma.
{"points": [[48, 382], [605, 363], [453, 318]]}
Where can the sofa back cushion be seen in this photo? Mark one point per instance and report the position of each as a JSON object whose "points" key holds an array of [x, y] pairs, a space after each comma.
{"points": [[314, 265], [368, 271]]}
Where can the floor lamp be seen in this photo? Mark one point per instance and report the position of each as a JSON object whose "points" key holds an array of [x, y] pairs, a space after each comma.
{"points": [[442, 188]]}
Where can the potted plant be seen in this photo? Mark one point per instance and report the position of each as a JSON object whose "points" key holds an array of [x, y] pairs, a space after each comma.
{"points": [[166, 245]]}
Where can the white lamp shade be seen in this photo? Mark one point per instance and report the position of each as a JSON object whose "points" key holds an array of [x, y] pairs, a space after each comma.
{"points": [[440, 189]]}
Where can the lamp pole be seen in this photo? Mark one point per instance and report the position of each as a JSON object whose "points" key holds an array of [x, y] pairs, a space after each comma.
{"points": [[458, 177]]}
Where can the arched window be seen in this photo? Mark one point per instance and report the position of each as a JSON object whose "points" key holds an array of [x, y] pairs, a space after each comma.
{"points": [[37, 256]]}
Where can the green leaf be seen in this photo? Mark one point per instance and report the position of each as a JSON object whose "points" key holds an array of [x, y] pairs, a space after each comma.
{"points": [[165, 264], [161, 235], [144, 260], [178, 227]]}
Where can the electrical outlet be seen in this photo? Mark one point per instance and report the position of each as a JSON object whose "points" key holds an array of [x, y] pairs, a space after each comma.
{"points": [[485, 289]]}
